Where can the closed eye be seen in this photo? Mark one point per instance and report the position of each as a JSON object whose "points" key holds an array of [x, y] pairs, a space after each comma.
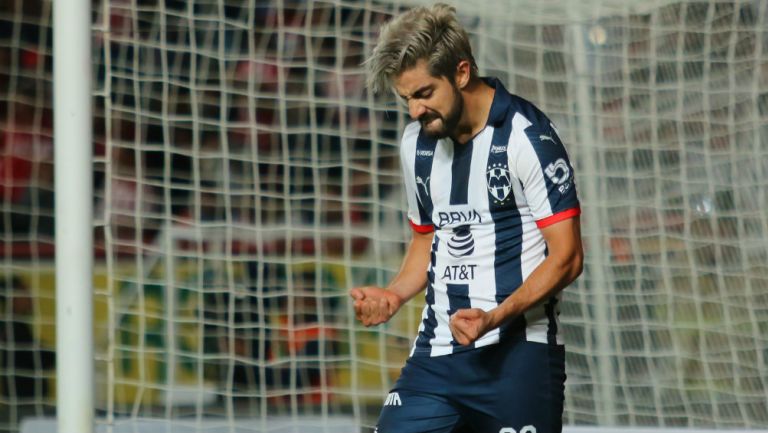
{"points": [[421, 93]]}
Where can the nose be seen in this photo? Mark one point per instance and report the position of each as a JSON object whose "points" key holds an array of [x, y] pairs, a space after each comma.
{"points": [[415, 109]]}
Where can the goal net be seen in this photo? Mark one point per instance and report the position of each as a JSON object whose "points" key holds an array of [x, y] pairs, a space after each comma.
{"points": [[245, 180]]}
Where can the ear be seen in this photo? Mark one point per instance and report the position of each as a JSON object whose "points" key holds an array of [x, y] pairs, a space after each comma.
{"points": [[463, 74]]}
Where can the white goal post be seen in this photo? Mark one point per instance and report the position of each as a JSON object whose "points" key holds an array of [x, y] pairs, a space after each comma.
{"points": [[73, 119]]}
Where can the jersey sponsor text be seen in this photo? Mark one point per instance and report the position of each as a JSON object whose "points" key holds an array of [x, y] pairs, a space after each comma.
{"points": [[454, 217]]}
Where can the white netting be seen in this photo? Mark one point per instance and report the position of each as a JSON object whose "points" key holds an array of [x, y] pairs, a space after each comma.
{"points": [[26, 219], [246, 180]]}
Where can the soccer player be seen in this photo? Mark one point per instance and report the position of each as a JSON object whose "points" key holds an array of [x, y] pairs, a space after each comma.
{"points": [[495, 217]]}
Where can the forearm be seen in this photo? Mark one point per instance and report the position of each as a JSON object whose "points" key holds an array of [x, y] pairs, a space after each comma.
{"points": [[549, 278], [412, 277], [374, 305]]}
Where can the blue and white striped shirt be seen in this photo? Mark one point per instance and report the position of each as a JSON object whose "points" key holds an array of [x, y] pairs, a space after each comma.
{"points": [[486, 201]]}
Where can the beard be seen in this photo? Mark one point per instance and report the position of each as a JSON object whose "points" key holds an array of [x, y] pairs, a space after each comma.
{"points": [[448, 123]]}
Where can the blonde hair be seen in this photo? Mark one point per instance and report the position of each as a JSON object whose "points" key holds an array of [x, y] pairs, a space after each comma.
{"points": [[433, 34]]}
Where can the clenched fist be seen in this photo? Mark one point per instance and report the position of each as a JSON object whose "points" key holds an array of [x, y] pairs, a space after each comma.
{"points": [[374, 305], [469, 324]]}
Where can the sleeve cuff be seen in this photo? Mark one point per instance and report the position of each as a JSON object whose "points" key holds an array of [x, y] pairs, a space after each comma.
{"points": [[560, 216], [429, 228]]}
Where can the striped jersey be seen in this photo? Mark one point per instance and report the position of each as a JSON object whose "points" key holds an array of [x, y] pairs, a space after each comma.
{"points": [[486, 201]]}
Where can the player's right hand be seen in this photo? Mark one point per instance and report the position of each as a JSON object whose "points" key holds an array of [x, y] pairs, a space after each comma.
{"points": [[374, 305]]}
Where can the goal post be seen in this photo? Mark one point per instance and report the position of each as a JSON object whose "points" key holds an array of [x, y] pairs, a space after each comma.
{"points": [[244, 180], [74, 215]]}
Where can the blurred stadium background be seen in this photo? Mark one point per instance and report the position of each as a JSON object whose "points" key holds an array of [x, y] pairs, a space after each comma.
{"points": [[245, 180]]}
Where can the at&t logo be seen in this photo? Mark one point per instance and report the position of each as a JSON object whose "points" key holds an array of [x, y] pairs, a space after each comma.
{"points": [[461, 243]]}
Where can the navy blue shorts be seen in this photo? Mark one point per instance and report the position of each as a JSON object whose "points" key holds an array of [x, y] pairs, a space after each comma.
{"points": [[515, 386]]}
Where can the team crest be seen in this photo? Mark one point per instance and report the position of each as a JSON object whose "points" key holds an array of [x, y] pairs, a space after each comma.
{"points": [[499, 183]]}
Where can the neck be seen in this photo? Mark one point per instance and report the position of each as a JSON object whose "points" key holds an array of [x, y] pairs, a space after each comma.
{"points": [[478, 98]]}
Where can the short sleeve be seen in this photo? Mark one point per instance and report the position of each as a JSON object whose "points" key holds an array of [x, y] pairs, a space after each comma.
{"points": [[418, 217], [547, 175]]}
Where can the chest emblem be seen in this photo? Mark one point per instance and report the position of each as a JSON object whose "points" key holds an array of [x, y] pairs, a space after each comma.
{"points": [[498, 179]]}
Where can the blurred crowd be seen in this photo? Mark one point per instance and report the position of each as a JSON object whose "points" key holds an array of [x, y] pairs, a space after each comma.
{"points": [[201, 114], [213, 113], [26, 203], [26, 142]]}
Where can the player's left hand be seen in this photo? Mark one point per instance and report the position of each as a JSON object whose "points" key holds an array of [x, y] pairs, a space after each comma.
{"points": [[469, 324]]}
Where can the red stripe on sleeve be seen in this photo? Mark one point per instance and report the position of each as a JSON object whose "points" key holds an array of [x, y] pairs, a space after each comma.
{"points": [[560, 216], [422, 229]]}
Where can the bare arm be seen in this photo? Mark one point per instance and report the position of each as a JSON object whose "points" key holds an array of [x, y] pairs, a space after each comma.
{"points": [[374, 305], [563, 264]]}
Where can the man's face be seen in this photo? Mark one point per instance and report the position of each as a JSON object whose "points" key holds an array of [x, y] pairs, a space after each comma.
{"points": [[434, 101]]}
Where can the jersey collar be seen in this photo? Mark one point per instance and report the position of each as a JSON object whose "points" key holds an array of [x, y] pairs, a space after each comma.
{"points": [[501, 102]]}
